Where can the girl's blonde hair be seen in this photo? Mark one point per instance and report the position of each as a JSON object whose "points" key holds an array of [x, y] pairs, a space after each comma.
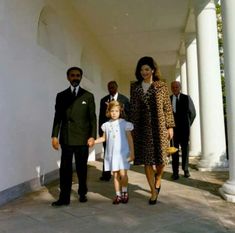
{"points": [[113, 104]]}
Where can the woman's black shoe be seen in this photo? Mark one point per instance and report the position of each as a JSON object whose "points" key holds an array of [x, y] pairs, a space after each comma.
{"points": [[158, 189], [152, 202]]}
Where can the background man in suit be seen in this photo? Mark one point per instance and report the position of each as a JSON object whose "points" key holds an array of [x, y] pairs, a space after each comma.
{"points": [[113, 95], [75, 123], [184, 114]]}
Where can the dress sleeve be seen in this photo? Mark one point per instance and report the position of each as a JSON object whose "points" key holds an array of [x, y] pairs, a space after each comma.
{"points": [[103, 127], [129, 126]]}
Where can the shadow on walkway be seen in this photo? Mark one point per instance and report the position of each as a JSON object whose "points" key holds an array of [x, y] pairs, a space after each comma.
{"points": [[184, 206]]}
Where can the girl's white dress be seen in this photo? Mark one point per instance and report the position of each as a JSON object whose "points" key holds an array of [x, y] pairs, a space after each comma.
{"points": [[117, 147]]}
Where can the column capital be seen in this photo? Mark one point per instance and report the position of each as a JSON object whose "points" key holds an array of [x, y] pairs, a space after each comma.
{"points": [[189, 38], [182, 48], [202, 5], [182, 58]]}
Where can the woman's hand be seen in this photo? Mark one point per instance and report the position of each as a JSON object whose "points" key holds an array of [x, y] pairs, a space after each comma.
{"points": [[170, 133], [131, 157]]}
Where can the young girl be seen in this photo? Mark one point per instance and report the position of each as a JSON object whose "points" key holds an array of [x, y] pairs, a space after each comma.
{"points": [[119, 149]]}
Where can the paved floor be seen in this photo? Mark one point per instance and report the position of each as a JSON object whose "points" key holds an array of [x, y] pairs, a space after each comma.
{"points": [[184, 206]]}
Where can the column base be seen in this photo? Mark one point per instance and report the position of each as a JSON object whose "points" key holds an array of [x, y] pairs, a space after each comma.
{"points": [[229, 187], [205, 165], [226, 196], [194, 153]]}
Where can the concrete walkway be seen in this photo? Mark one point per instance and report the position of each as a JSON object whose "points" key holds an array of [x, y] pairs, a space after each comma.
{"points": [[184, 206]]}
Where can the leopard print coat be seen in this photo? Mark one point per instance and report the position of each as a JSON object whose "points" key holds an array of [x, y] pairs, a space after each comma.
{"points": [[151, 113]]}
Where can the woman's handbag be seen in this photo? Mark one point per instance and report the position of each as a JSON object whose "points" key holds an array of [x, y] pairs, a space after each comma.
{"points": [[171, 150]]}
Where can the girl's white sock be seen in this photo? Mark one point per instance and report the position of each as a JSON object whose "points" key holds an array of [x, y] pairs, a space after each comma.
{"points": [[118, 193], [124, 189]]}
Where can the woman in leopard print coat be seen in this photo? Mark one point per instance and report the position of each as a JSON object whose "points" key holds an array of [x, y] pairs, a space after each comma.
{"points": [[152, 116]]}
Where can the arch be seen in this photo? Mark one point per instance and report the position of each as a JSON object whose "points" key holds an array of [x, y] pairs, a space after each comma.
{"points": [[87, 65], [50, 34]]}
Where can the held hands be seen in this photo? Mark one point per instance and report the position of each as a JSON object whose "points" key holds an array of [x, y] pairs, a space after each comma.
{"points": [[55, 143]]}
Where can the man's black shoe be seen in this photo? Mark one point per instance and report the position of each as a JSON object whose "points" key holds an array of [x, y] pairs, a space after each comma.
{"points": [[83, 198], [186, 174], [60, 203], [102, 178], [175, 177]]}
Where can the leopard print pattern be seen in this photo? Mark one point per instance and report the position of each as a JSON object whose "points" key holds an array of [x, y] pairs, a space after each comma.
{"points": [[151, 114]]}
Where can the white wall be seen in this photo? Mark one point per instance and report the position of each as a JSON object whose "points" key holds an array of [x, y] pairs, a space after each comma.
{"points": [[32, 70]]}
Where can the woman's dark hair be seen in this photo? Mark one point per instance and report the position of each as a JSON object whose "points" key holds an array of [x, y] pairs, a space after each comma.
{"points": [[151, 63], [74, 68]]}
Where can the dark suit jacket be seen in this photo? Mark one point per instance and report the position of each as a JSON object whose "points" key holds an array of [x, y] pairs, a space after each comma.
{"points": [[103, 106], [184, 116], [75, 118]]}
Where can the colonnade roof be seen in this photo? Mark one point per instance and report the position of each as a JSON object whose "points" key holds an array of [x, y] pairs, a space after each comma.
{"points": [[130, 29]]}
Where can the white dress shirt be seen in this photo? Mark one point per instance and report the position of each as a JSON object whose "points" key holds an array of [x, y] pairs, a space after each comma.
{"points": [[174, 102], [72, 88]]}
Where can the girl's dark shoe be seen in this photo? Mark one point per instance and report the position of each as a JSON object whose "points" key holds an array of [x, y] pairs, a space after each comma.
{"points": [[125, 197], [117, 200]]}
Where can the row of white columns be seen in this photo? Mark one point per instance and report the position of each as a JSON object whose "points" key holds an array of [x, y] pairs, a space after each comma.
{"points": [[201, 79]]}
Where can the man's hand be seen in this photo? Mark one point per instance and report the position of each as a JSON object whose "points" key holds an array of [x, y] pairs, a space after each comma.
{"points": [[55, 143], [91, 142]]}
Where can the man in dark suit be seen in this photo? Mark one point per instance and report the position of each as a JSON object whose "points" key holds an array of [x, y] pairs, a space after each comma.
{"points": [[75, 123], [113, 95], [184, 114]]}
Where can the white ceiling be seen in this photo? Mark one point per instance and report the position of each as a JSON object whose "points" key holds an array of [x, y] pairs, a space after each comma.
{"points": [[130, 29]]}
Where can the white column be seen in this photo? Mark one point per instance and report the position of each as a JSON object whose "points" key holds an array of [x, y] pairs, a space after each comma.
{"points": [[177, 74], [211, 104], [228, 7], [192, 79], [183, 75]]}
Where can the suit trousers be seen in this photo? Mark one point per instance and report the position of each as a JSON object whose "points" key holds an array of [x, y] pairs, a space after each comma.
{"points": [[81, 154], [185, 156]]}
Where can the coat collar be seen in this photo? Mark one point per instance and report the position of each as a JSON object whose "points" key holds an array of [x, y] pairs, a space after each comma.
{"points": [[156, 84]]}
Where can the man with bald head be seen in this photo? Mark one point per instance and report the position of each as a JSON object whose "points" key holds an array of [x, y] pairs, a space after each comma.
{"points": [[184, 115]]}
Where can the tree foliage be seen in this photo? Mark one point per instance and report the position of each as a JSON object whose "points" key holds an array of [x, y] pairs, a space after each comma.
{"points": [[221, 52]]}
